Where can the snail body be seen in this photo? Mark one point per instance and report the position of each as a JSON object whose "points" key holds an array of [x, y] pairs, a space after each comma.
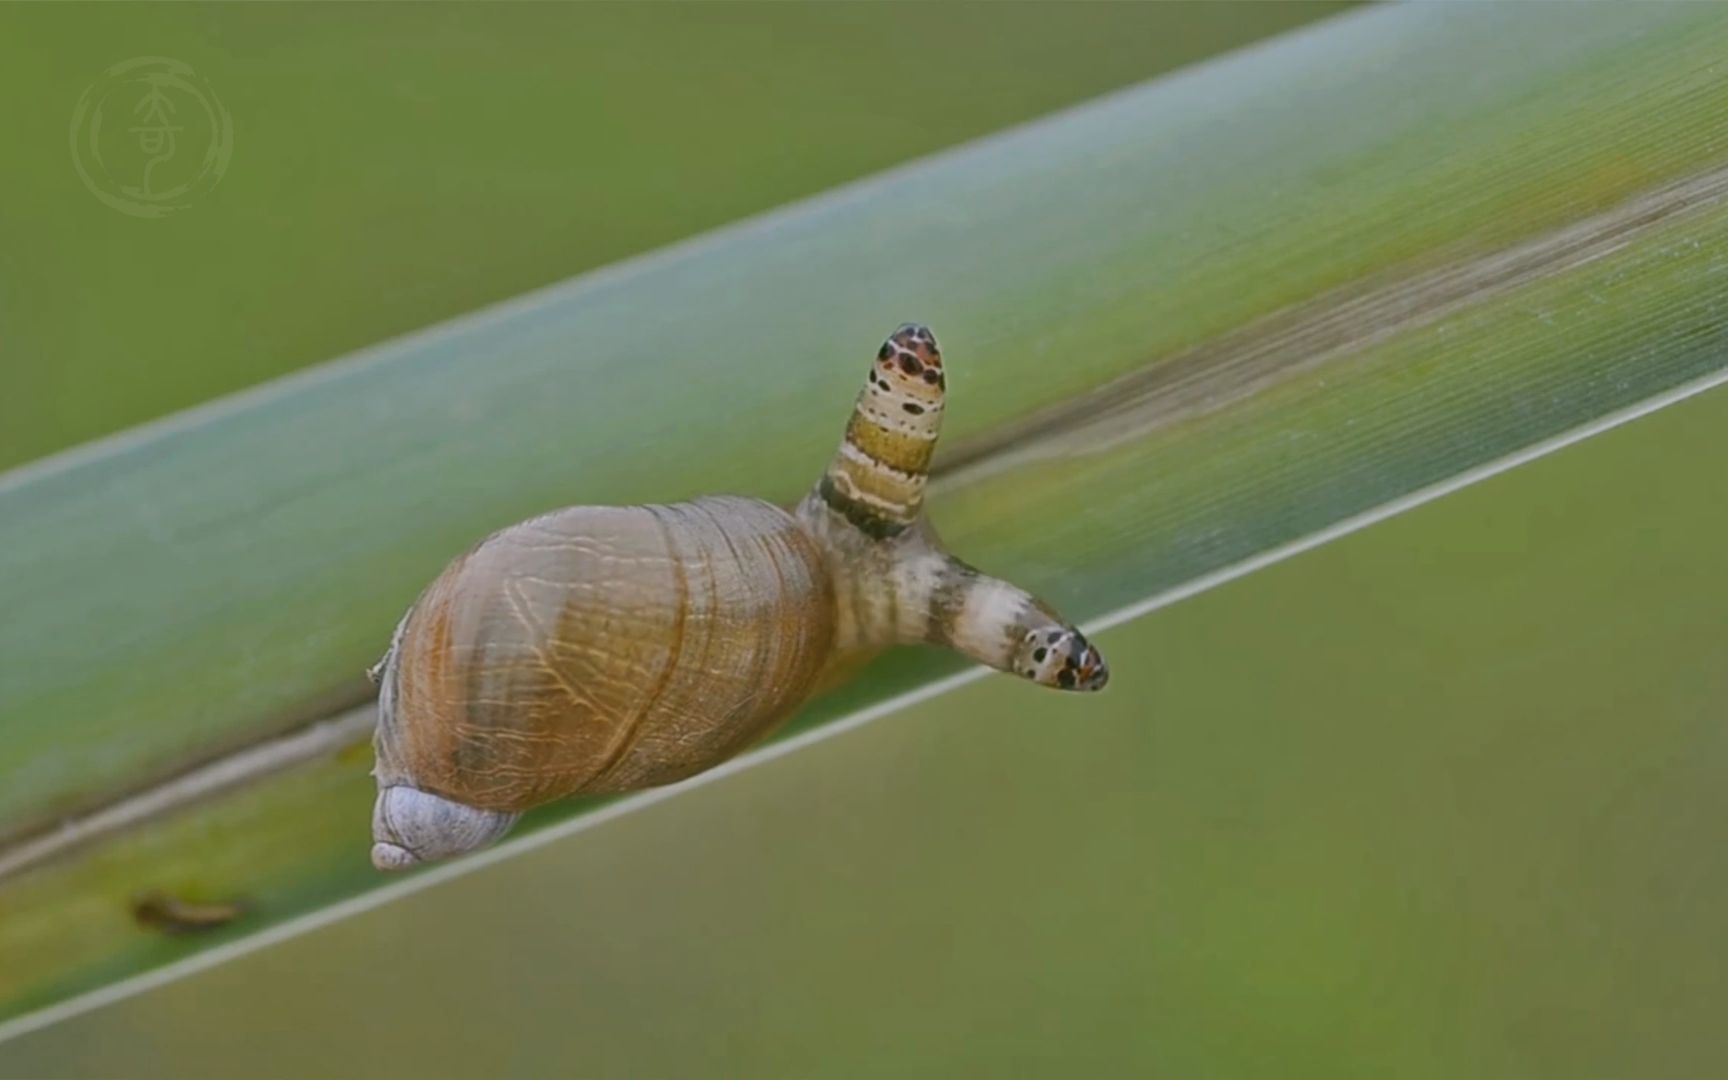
{"points": [[605, 649]]}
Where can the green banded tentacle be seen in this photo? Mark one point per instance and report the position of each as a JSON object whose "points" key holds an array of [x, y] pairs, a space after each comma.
{"points": [[877, 478]]}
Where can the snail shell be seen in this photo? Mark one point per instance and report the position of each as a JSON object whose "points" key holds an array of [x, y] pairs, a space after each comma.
{"points": [[603, 649], [609, 648]]}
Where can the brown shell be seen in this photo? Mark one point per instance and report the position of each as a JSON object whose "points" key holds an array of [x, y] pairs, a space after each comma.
{"points": [[601, 649]]}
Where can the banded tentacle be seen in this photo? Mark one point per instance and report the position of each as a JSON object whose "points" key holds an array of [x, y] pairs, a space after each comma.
{"points": [[1005, 627], [877, 478]]}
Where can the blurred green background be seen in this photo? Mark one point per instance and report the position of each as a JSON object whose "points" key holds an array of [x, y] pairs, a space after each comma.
{"points": [[395, 165]]}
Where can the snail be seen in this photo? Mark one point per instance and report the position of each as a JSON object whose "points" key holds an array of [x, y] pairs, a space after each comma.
{"points": [[601, 649]]}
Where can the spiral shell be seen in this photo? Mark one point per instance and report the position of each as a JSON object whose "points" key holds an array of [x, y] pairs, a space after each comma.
{"points": [[602, 649]]}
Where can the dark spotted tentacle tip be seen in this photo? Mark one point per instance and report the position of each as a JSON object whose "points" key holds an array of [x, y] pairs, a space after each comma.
{"points": [[1064, 659], [916, 338], [1090, 670]]}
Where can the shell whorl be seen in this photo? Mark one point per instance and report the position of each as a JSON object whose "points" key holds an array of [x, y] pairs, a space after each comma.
{"points": [[410, 827]]}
